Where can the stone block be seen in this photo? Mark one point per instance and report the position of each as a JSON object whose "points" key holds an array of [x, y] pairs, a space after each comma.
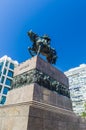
{"points": [[14, 117], [43, 66], [35, 107], [38, 93]]}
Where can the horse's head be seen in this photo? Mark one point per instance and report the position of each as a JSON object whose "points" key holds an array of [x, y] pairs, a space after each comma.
{"points": [[30, 33], [32, 36]]}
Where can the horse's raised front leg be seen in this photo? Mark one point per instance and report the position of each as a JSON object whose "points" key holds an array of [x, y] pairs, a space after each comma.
{"points": [[39, 50]]}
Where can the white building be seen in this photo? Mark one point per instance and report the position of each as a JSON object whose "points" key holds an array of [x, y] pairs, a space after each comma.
{"points": [[77, 86], [6, 75]]}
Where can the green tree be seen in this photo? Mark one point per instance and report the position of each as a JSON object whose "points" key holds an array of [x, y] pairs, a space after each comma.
{"points": [[83, 114]]}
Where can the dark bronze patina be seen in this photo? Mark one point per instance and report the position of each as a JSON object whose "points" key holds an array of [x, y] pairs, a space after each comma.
{"points": [[41, 44], [36, 76]]}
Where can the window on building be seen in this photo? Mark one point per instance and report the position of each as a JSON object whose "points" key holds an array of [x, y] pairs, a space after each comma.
{"points": [[7, 63], [2, 79], [8, 82], [4, 71], [0, 88], [5, 91], [3, 99], [0, 73], [1, 65], [10, 73], [12, 66], [76, 89]]}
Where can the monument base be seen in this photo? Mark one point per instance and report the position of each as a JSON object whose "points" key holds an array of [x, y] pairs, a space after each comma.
{"points": [[39, 100], [37, 108]]}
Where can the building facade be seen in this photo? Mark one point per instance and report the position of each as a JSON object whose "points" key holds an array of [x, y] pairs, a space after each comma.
{"points": [[77, 86], [6, 75]]}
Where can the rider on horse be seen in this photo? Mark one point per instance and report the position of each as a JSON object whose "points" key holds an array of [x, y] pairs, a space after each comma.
{"points": [[41, 44], [47, 40]]}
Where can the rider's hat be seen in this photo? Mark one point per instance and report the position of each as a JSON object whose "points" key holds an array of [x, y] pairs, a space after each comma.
{"points": [[46, 37]]}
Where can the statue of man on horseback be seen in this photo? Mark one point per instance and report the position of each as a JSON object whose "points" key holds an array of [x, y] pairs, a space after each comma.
{"points": [[41, 44]]}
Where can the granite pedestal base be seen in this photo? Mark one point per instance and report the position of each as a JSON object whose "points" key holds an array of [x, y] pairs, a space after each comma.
{"points": [[39, 100], [31, 110]]}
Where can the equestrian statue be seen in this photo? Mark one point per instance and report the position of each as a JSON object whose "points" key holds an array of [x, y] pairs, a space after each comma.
{"points": [[41, 45]]}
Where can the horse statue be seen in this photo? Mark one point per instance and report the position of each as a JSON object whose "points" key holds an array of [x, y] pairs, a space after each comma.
{"points": [[42, 45]]}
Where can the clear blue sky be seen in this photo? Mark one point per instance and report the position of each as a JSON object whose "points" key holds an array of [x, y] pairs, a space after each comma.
{"points": [[63, 20]]}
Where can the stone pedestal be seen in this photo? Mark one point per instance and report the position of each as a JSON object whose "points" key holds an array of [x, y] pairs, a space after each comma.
{"points": [[37, 101]]}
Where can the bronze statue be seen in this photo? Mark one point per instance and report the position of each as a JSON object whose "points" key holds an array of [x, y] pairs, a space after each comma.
{"points": [[42, 45]]}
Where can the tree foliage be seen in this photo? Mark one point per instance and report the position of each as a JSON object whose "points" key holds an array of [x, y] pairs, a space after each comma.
{"points": [[83, 114]]}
